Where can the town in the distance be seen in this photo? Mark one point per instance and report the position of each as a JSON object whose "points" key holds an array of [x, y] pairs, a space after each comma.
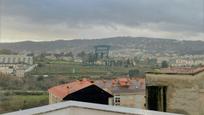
{"points": [[141, 74]]}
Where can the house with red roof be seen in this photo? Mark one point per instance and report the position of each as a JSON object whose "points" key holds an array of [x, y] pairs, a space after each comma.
{"points": [[80, 90], [122, 91]]}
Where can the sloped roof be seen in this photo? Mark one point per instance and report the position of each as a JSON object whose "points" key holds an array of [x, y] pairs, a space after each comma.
{"points": [[124, 82], [66, 89], [120, 85]]}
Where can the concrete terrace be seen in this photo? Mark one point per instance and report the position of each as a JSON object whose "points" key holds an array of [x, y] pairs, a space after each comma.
{"points": [[82, 108]]}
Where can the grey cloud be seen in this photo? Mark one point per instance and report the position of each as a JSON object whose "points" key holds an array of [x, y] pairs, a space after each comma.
{"points": [[168, 15]]}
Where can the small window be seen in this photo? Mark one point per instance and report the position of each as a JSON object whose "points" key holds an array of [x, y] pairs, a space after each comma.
{"points": [[3, 60], [117, 100], [9, 60], [19, 60]]}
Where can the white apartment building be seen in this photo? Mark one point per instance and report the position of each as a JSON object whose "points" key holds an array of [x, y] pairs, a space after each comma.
{"points": [[16, 59], [15, 64]]}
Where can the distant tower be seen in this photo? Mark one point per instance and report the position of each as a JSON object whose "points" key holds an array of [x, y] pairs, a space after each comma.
{"points": [[102, 51]]}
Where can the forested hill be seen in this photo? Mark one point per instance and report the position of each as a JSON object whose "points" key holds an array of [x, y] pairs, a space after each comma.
{"points": [[117, 43]]}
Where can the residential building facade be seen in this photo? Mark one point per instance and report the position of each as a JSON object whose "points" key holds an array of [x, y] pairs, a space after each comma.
{"points": [[15, 64]]}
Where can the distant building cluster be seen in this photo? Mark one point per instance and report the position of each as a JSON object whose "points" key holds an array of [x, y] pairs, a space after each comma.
{"points": [[179, 61], [16, 59], [187, 62], [16, 65]]}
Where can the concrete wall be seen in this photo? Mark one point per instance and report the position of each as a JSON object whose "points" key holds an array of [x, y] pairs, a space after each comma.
{"points": [[183, 92], [200, 80], [201, 99], [130, 100], [82, 108], [53, 99]]}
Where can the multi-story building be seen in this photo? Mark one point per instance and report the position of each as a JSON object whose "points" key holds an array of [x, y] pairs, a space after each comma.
{"points": [[15, 64], [16, 59]]}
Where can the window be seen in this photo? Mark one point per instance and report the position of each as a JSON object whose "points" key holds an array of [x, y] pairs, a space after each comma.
{"points": [[19, 60], [117, 100], [24, 60], [14, 60], [9, 60]]}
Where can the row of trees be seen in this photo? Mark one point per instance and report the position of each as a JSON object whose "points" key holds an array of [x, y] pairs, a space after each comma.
{"points": [[7, 51], [8, 82], [135, 73], [89, 58]]}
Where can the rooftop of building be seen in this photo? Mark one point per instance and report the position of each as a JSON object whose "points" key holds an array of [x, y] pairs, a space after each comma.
{"points": [[123, 85], [119, 85], [13, 55], [66, 108], [179, 70], [66, 89]]}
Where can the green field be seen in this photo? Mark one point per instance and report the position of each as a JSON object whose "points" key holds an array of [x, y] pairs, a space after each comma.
{"points": [[71, 69], [20, 102], [76, 69]]}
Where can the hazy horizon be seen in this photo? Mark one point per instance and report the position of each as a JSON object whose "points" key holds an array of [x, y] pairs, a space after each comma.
{"points": [[49, 20], [95, 39]]}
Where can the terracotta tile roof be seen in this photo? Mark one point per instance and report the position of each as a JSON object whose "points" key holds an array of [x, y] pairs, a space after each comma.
{"points": [[66, 89], [124, 82], [119, 85], [181, 70]]}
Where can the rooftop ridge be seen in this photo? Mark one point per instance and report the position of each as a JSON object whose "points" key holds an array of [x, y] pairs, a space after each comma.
{"points": [[179, 70]]}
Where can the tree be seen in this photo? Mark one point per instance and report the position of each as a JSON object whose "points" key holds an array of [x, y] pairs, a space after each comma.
{"points": [[91, 58], [81, 54], [134, 72], [69, 54], [152, 61], [164, 64], [6, 51]]}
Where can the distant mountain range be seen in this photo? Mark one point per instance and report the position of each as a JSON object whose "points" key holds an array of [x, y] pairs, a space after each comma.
{"points": [[151, 45]]}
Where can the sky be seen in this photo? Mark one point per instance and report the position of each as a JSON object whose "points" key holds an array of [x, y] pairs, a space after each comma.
{"points": [[47, 20]]}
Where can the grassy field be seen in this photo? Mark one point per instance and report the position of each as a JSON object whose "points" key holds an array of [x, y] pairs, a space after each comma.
{"points": [[19, 102], [74, 69], [69, 69]]}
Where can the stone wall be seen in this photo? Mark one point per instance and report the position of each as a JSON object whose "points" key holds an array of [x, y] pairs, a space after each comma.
{"points": [[183, 92], [54, 99]]}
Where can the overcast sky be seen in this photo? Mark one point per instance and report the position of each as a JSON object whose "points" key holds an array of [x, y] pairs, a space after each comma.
{"points": [[39, 20]]}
